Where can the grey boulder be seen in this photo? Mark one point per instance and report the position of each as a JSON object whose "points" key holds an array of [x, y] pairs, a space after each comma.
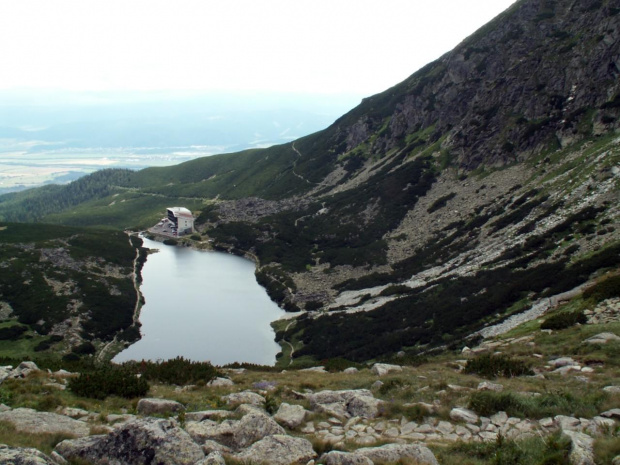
{"points": [[23, 456], [138, 442], [278, 450], [159, 407], [289, 415]]}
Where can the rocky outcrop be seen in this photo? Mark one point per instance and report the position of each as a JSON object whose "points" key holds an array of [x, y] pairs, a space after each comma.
{"points": [[31, 421], [139, 442], [236, 434]]}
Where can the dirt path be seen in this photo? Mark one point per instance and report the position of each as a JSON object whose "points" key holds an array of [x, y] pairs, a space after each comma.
{"points": [[295, 165], [102, 355]]}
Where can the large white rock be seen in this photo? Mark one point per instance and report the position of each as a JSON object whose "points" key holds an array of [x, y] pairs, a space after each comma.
{"points": [[289, 415], [30, 421], [139, 442], [582, 448], [278, 450], [392, 453], [602, 338], [464, 415], [381, 369], [159, 406]]}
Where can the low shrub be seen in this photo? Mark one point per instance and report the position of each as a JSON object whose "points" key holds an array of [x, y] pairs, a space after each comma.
{"points": [[339, 364], [491, 366], [108, 381], [536, 450], [605, 289], [41, 346], [549, 404], [178, 371], [12, 332], [85, 348], [170, 242], [564, 320]]}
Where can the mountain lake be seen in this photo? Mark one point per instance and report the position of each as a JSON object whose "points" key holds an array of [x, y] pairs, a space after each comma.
{"points": [[204, 306]]}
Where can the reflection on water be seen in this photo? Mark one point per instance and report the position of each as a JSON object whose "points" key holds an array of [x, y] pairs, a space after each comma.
{"points": [[203, 306]]}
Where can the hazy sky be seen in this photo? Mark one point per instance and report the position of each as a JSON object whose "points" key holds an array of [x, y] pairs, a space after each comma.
{"points": [[354, 46]]}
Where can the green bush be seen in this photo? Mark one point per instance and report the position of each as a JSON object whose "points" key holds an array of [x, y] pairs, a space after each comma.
{"points": [[564, 320], [605, 289], [170, 242], [549, 404], [12, 332], [85, 348], [338, 364], [174, 371], [491, 366], [109, 381]]}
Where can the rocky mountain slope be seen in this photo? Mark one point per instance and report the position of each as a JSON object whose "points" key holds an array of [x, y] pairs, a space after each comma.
{"points": [[479, 186]]}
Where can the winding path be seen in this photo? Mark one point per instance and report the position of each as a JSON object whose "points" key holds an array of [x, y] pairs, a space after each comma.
{"points": [[102, 355]]}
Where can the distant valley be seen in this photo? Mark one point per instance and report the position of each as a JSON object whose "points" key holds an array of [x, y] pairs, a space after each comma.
{"points": [[56, 138]]}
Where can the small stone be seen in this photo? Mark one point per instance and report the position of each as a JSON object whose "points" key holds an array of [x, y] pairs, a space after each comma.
{"points": [[489, 386], [612, 389], [464, 415], [350, 370]]}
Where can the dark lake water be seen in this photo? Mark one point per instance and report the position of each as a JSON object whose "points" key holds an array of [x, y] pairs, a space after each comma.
{"points": [[203, 306]]}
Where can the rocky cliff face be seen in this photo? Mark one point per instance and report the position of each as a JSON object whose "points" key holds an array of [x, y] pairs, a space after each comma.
{"points": [[531, 78], [483, 175]]}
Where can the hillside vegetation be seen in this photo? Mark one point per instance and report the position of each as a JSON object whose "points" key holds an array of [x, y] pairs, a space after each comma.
{"points": [[66, 292]]}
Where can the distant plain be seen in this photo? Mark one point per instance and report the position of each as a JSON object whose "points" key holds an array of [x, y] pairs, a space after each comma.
{"points": [[56, 137]]}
